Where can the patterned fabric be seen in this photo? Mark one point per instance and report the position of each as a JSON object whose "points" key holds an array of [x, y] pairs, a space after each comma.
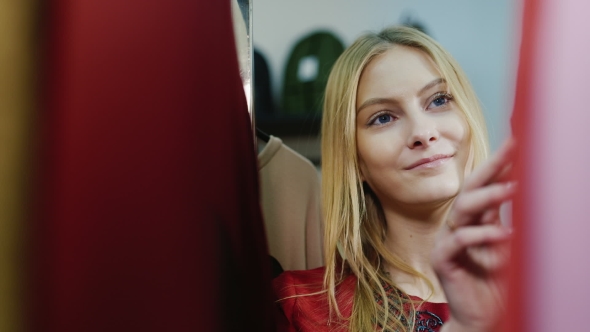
{"points": [[297, 311], [425, 320]]}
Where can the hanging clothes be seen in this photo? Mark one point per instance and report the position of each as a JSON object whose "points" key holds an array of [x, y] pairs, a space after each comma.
{"points": [[148, 217], [290, 196]]}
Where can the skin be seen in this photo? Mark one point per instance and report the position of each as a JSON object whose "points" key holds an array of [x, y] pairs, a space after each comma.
{"points": [[404, 114], [471, 257]]}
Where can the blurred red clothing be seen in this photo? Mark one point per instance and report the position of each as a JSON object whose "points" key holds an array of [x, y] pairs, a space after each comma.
{"points": [[148, 216], [300, 312]]}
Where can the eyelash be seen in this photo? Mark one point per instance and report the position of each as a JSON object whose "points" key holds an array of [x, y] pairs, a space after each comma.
{"points": [[438, 95], [377, 116]]}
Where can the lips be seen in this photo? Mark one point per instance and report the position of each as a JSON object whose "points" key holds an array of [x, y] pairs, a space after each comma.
{"points": [[433, 161]]}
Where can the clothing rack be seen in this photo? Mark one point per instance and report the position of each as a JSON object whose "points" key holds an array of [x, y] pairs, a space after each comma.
{"points": [[262, 135]]}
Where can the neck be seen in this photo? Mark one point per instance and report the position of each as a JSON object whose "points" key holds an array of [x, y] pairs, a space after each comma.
{"points": [[411, 233]]}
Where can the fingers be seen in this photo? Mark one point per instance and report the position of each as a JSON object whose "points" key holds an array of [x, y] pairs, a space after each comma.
{"points": [[475, 236], [455, 244], [504, 175], [497, 167], [491, 216], [467, 207]]}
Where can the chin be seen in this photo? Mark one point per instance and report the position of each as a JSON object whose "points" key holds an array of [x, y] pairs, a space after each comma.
{"points": [[439, 191]]}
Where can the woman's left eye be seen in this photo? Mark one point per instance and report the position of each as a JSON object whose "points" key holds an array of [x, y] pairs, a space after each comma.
{"points": [[440, 100]]}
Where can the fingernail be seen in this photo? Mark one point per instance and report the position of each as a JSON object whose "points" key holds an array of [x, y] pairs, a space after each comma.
{"points": [[511, 185]]}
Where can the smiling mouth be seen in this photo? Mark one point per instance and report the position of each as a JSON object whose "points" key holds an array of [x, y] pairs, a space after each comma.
{"points": [[431, 162]]}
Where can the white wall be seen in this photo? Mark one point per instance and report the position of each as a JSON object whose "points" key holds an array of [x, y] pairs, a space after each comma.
{"points": [[482, 35]]}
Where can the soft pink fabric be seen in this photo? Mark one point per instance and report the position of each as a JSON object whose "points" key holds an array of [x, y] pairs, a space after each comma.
{"points": [[556, 185]]}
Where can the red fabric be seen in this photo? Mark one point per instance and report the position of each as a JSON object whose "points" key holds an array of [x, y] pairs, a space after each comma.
{"points": [[521, 122], [148, 217], [297, 311]]}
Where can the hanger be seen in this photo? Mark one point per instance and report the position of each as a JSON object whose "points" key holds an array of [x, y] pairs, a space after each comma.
{"points": [[262, 135]]}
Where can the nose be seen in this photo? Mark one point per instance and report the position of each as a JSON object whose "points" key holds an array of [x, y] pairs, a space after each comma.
{"points": [[423, 132]]}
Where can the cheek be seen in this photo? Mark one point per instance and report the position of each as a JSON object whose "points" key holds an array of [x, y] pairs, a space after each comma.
{"points": [[364, 157], [465, 138], [457, 131], [377, 152], [367, 149], [460, 134]]}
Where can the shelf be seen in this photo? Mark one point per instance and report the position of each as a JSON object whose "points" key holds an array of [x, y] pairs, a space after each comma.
{"points": [[289, 125]]}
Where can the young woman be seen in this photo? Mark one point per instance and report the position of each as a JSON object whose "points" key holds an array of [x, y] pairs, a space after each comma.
{"points": [[411, 205]]}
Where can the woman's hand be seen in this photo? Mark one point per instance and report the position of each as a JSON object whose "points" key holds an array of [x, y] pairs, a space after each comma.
{"points": [[472, 252]]}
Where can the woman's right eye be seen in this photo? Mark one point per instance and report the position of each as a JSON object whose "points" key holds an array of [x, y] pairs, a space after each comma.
{"points": [[381, 119]]}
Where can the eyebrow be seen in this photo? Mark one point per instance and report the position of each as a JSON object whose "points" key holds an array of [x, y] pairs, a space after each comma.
{"points": [[374, 101]]}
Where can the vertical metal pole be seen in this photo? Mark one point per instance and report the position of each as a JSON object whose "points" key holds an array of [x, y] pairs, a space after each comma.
{"points": [[251, 62], [246, 53]]}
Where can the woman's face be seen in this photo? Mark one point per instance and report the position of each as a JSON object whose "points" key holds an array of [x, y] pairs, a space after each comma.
{"points": [[412, 140]]}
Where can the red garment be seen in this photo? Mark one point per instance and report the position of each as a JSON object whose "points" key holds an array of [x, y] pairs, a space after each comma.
{"points": [[311, 313], [149, 218]]}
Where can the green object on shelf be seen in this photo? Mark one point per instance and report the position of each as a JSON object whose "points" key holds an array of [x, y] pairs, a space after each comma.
{"points": [[306, 73]]}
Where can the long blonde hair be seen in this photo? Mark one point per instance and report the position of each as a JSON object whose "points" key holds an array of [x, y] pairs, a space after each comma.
{"points": [[354, 222]]}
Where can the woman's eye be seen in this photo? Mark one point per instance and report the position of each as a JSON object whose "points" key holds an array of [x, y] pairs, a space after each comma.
{"points": [[382, 119], [440, 100]]}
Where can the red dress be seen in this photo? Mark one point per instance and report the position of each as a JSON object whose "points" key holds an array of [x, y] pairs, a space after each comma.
{"points": [[311, 312]]}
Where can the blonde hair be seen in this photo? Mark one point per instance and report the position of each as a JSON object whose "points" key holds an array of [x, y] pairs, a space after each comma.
{"points": [[354, 222]]}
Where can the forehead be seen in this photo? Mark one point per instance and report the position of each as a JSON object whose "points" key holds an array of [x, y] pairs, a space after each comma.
{"points": [[398, 72]]}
